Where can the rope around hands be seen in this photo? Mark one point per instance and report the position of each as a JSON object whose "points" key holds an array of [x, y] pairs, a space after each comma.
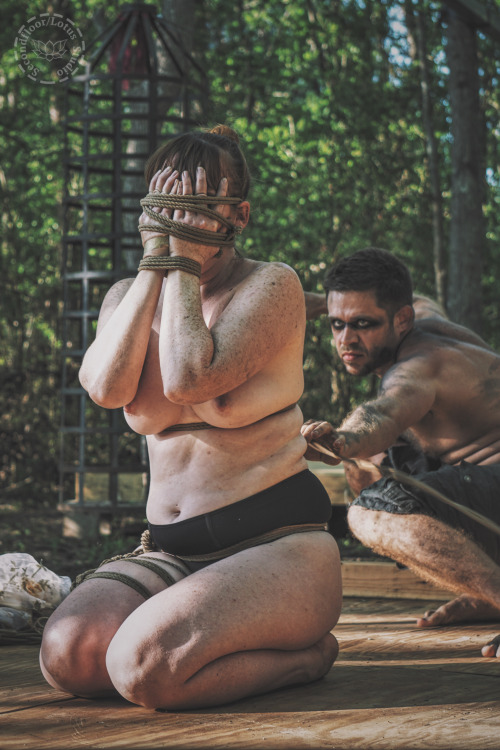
{"points": [[197, 204], [407, 479]]}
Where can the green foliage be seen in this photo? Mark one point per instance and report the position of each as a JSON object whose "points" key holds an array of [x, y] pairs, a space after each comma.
{"points": [[326, 98], [31, 180]]}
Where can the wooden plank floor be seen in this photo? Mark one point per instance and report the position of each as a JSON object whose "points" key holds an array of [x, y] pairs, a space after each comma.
{"points": [[393, 686]]}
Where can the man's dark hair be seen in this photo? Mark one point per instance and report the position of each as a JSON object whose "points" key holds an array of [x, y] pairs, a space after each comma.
{"points": [[373, 270]]}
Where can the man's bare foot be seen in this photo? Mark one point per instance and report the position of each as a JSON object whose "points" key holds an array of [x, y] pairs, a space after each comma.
{"points": [[492, 648], [462, 609]]}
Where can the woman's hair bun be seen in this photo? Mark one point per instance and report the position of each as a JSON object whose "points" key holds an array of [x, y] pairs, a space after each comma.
{"points": [[226, 131]]}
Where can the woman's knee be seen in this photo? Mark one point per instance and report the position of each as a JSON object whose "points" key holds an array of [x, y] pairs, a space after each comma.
{"points": [[72, 658], [144, 675]]}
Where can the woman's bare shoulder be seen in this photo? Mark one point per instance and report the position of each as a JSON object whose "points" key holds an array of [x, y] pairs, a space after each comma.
{"points": [[274, 273], [112, 299], [118, 290], [276, 288]]}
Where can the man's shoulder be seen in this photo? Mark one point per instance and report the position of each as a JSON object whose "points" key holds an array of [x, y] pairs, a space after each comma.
{"points": [[421, 353], [443, 333], [434, 344]]}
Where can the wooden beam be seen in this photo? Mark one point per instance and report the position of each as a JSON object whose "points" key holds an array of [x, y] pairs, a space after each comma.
{"points": [[333, 480]]}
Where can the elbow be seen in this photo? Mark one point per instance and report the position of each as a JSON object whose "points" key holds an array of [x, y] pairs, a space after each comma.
{"points": [[185, 390], [181, 395], [103, 395], [181, 384], [107, 399], [188, 380]]}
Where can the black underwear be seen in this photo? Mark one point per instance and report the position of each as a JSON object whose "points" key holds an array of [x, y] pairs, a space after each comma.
{"points": [[301, 499]]}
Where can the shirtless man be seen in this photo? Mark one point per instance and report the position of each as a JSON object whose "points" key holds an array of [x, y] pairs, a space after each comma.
{"points": [[440, 393], [244, 587]]}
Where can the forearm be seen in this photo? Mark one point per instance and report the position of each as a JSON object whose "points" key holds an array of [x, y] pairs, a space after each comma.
{"points": [[186, 344], [112, 365], [367, 432]]}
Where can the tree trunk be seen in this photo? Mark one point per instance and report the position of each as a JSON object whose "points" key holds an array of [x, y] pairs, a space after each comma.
{"points": [[467, 230], [417, 37], [432, 163]]}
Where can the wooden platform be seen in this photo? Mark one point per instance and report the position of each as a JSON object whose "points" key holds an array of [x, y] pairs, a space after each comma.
{"points": [[385, 579], [393, 686]]}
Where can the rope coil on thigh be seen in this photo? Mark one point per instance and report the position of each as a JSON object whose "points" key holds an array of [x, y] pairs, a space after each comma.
{"points": [[122, 578], [132, 582], [147, 545], [158, 569], [195, 204]]}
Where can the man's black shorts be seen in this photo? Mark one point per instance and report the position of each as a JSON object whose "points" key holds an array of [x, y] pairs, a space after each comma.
{"points": [[476, 487]]}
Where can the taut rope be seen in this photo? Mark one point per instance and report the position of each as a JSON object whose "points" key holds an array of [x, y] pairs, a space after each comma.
{"points": [[404, 478]]}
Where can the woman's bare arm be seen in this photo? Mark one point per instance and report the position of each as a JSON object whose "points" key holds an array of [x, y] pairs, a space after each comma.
{"points": [[265, 315], [113, 363]]}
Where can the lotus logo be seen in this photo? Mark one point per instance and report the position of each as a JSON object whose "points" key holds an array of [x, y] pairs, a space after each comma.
{"points": [[40, 57], [50, 50]]}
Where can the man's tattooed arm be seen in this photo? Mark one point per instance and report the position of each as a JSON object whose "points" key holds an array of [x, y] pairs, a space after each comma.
{"points": [[369, 429]]}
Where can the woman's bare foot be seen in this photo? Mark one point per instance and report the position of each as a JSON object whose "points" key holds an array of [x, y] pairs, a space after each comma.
{"points": [[327, 648], [462, 609]]}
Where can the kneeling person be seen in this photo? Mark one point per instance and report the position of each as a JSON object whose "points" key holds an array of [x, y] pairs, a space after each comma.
{"points": [[243, 586]]}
